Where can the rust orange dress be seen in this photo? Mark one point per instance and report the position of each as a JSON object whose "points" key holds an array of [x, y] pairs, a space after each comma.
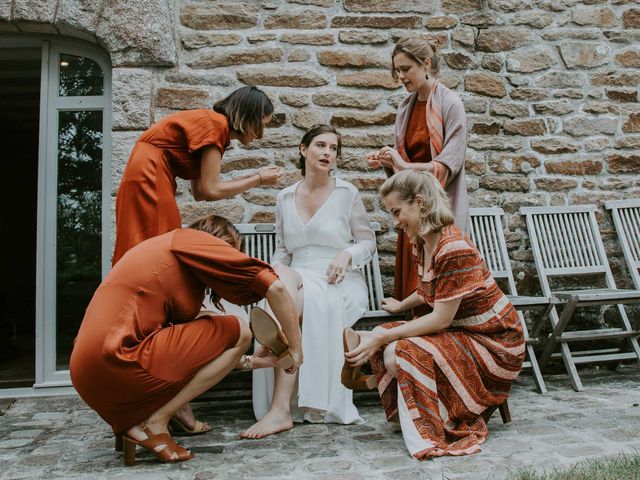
{"points": [[418, 150], [446, 380], [139, 344], [145, 202]]}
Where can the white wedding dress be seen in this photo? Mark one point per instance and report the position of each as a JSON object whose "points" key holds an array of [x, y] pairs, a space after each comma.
{"points": [[341, 223]]}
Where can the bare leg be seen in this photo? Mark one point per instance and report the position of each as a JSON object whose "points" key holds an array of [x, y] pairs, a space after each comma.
{"points": [[207, 376], [278, 418]]}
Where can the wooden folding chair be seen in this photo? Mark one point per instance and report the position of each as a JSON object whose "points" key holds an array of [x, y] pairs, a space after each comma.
{"points": [[566, 243], [626, 218], [487, 233]]}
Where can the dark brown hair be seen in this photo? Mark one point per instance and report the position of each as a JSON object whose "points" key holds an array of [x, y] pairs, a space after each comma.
{"points": [[245, 108], [313, 132], [223, 229]]}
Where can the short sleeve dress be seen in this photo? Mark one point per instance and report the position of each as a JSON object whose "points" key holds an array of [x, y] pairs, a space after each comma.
{"points": [[139, 344], [145, 202], [446, 380]]}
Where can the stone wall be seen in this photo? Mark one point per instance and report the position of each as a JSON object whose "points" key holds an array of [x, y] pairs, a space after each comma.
{"points": [[550, 88]]}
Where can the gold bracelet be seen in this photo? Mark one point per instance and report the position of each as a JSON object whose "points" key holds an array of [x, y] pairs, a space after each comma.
{"points": [[259, 178]]}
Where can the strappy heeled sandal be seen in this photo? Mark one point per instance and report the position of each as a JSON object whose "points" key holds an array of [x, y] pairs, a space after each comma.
{"points": [[161, 445], [176, 427], [351, 377], [268, 333]]}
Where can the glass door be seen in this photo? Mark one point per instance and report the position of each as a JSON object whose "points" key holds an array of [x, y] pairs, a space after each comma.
{"points": [[73, 200]]}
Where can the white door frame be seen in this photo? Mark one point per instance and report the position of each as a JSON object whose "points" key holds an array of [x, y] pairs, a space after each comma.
{"points": [[47, 374]]}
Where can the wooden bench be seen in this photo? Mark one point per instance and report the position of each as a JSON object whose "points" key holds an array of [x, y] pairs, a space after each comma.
{"points": [[260, 242]]}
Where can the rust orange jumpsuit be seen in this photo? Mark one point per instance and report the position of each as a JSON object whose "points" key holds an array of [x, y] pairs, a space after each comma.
{"points": [[139, 344], [145, 202]]}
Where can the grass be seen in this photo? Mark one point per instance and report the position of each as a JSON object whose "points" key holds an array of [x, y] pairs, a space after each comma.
{"points": [[622, 467]]}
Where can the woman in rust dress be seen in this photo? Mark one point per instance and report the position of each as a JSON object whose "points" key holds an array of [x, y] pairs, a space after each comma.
{"points": [[430, 135], [145, 349], [441, 373], [188, 145]]}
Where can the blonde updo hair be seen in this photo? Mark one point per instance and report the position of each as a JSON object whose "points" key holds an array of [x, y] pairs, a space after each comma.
{"points": [[419, 48], [436, 209]]}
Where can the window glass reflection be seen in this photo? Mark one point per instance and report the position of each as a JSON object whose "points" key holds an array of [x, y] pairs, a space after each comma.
{"points": [[79, 76], [79, 223]]}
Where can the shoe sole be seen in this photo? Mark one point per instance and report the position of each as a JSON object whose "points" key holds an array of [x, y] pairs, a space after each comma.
{"points": [[266, 331]]}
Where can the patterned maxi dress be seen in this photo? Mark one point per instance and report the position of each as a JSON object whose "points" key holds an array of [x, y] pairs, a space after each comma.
{"points": [[447, 379]]}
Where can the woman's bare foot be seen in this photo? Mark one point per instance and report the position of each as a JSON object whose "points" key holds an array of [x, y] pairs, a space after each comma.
{"points": [[275, 421], [186, 417]]}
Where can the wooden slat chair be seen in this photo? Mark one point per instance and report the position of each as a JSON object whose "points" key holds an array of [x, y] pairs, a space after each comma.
{"points": [[260, 242], [626, 218], [566, 243], [487, 233]]}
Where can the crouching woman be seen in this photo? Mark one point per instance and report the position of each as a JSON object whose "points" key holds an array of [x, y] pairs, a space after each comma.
{"points": [[441, 373], [144, 349]]}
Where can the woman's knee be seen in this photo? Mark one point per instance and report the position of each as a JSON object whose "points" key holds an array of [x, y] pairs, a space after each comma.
{"points": [[390, 361]]}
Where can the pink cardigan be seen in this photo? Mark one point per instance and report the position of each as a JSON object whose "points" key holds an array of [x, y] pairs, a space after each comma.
{"points": [[453, 149]]}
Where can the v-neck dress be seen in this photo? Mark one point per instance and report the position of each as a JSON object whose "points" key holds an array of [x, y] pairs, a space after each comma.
{"points": [[341, 223]]}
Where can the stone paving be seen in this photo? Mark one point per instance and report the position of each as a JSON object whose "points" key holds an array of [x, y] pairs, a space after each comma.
{"points": [[59, 437]]}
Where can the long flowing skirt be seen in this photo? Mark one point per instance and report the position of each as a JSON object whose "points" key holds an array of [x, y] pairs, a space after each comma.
{"points": [[328, 309], [445, 382]]}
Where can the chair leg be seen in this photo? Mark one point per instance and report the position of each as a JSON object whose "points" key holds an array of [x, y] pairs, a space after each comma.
{"points": [[504, 412], [537, 374]]}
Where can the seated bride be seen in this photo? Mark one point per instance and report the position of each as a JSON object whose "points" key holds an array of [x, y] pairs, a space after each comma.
{"points": [[323, 238]]}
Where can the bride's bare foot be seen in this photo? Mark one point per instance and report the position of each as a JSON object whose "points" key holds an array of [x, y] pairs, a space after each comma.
{"points": [[273, 422]]}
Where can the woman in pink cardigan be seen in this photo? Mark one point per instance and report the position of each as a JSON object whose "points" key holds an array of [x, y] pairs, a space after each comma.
{"points": [[430, 134]]}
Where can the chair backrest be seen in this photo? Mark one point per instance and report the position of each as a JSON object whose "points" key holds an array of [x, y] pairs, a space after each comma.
{"points": [[626, 218], [566, 242], [260, 242], [488, 236]]}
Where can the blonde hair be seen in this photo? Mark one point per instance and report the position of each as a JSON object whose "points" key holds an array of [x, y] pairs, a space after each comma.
{"points": [[408, 184], [223, 229], [418, 48]]}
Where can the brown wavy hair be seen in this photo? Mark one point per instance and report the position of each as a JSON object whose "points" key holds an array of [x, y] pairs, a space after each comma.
{"points": [[245, 108], [223, 229]]}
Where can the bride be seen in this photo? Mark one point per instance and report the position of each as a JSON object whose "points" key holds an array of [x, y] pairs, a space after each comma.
{"points": [[323, 238]]}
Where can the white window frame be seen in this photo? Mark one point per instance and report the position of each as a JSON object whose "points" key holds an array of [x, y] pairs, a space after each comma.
{"points": [[47, 374]]}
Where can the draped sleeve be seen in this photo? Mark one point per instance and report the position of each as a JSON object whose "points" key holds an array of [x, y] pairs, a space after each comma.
{"points": [[455, 135], [206, 128], [365, 240], [281, 254], [230, 273]]}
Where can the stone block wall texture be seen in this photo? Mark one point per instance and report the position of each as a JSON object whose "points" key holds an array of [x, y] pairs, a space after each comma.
{"points": [[550, 88]]}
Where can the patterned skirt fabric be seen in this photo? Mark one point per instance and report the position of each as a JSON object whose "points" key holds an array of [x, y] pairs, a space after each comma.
{"points": [[445, 382]]}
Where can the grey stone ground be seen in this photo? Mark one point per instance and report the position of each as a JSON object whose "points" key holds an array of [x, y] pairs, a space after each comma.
{"points": [[59, 437]]}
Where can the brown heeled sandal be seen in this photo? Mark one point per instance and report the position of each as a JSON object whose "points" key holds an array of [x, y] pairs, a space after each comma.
{"points": [[351, 377], [161, 445], [268, 333]]}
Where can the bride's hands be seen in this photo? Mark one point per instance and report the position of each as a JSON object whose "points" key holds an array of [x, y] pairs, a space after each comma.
{"points": [[338, 267]]}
